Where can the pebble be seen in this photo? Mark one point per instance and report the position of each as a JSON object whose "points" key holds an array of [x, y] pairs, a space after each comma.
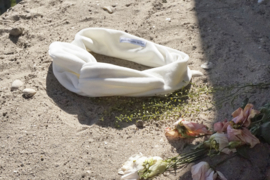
{"points": [[196, 73], [28, 92], [127, 5], [109, 9], [168, 19], [16, 84], [139, 123], [207, 65], [16, 31]]}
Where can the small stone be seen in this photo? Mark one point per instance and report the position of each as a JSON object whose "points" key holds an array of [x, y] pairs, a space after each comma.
{"points": [[166, 173], [109, 9], [16, 84], [207, 65], [168, 19], [127, 5], [196, 73], [139, 123], [16, 31], [28, 92]]}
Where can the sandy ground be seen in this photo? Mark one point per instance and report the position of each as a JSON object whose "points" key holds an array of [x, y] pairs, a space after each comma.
{"points": [[57, 134]]}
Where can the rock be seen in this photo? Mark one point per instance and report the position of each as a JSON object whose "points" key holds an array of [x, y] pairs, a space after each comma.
{"points": [[139, 123], [28, 92], [109, 9], [127, 5], [16, 31], [16, 84], [207, 65], [168, 19], [196, 73]]}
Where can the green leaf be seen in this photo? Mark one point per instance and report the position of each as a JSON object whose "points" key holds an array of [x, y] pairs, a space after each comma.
{"points": [[265, 129], [266, 112], [255, 129], [266, 116], [256, 118]]}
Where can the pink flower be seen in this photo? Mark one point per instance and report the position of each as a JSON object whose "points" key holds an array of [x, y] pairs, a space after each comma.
{"points": [[202, 171], [243, 135], [193, 129], [249, 138], [244, 116], [171, 133], [233, 134], [221, 126], [185, 129]]}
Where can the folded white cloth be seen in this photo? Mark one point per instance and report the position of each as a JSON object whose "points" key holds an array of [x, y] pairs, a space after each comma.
{"points": [[78, 71]]}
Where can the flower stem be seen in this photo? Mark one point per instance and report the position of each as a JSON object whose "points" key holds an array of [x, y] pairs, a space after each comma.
{"points": [[186, 158]]}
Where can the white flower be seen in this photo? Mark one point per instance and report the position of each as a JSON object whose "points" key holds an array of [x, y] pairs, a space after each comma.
{"points": [[131, 175], [222, 142], [202, 171], [130, 168]]}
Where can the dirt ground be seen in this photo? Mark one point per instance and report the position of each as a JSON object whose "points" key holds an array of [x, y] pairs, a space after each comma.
{"points": [[57, 134]]}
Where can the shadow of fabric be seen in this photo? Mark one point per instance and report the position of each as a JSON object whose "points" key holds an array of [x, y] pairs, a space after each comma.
{"points": [[70, 102], [91, 110]]}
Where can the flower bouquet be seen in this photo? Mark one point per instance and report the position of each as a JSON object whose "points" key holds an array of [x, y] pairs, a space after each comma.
{"points": [[245, 128]]}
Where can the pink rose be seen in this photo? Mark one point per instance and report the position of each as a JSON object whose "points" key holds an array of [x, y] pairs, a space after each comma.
{"points": [[244, 116], [243, 135], [193, 129], [186, 129], [221, 126]]}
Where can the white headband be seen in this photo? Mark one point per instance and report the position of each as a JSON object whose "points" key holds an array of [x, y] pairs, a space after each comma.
{"points": [[78, 71]]}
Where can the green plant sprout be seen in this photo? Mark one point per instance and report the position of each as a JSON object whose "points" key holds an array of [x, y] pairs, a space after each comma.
{"points": [[186, 102]]}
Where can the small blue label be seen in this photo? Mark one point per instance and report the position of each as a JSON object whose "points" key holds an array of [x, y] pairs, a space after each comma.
{"points": [[133, 41]]}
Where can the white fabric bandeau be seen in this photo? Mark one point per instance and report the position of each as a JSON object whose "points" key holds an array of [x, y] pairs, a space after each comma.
{"points": [[78, 71]]}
